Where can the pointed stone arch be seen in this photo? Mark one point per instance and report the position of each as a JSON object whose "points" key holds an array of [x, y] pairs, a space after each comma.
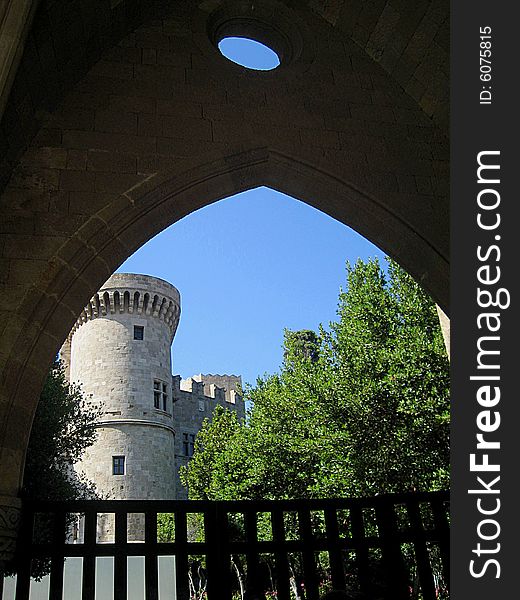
{"points": [[90, 256], [161, 125]]}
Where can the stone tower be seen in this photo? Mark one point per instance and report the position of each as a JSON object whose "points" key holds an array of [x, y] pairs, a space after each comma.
{"points": [[119, 350]]}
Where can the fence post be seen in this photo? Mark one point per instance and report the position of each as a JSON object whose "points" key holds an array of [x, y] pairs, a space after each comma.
{"points": [[58, 559], [151, 582], [443, 529], [360, 546], [334, 547], [217, 556], [120, 559], [89, 560], [424, 569], [309, 560], [395, 572], [252, 556], [23, 560], [281, 559]]}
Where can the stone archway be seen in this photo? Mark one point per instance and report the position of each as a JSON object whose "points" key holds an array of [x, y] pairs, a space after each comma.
{"points": [[163, 125], [90, 256]]}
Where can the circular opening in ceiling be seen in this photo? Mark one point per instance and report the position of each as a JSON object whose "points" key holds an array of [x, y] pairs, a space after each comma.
{"points": [[249, 53]]}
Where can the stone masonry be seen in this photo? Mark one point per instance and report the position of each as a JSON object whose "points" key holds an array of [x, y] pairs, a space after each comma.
{"points": [[195, 400], [122, 117], [119, 352]]}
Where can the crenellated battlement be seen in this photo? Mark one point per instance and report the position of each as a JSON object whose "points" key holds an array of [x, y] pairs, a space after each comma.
{"points": [[134, 294], [203, 387]]}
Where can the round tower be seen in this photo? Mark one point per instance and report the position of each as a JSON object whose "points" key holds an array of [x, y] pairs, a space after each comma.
{"points": [[120, 354]]}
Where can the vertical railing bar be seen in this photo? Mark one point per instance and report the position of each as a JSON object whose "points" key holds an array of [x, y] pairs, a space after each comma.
{"points": [[361, 547], [23, 581], [150, 567], [422, 557], [89, 560], [150, 577], [120, 576], [281, 558], [218, 555], [121, 525], [121, 558], [211, 571], [396, 575], [58, 558], [334, 548], [56, 578], [181, 556], [443, 530], [59, 530], [309, 560], [25, 540], [89, 577]]}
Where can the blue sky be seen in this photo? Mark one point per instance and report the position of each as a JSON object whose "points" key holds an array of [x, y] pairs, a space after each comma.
{"points": [[249, 53], [247, 267]]}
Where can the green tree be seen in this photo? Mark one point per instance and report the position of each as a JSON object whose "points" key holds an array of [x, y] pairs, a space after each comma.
{"points": [[391, 383], [214, 457], [63, 427], [358, 409]]}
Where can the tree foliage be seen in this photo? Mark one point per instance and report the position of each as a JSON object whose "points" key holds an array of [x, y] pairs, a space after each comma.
{"points": [[63, 427], [357, 409]]}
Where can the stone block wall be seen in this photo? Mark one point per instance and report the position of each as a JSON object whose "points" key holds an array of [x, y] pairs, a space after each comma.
{"points": [[149, 465], [119, 352], [128, 376], [196, 399], [123, 118]]}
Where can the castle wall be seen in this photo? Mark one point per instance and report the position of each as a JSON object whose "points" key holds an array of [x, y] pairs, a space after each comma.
{"points": [[195, 400], [232, 384], [119, 371], [120, 354], [162, 125], [119, 351], [149, 465]]}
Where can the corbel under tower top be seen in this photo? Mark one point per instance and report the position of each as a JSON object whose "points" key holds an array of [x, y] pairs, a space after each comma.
{"points": [[134, 294]]}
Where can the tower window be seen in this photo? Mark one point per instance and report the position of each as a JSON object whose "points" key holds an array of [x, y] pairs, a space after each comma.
{"points": [[160, 395], [157, 394], [164, 396], [188, 443], [138, 332], [118, 465]]}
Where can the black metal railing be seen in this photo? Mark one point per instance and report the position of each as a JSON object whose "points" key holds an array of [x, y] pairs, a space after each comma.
{"points": [[391, 547]]}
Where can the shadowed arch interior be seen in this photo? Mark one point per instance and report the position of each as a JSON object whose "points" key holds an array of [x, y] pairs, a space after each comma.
{"points": [[163, 125], [108, 238]]}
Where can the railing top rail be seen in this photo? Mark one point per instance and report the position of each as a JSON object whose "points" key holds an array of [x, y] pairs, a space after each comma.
{"points": [[381, 529], [142, 506]]}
